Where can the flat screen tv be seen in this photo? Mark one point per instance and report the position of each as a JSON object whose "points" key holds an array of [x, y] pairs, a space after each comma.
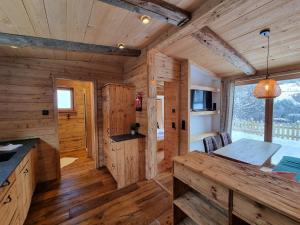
{"points": [[201, 100]]}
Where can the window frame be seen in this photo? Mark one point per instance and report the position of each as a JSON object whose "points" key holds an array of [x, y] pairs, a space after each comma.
{"points": [[269, 103], [72, 109]]}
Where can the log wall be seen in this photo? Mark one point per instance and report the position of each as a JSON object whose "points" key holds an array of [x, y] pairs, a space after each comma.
{"points": [[27, 88]]}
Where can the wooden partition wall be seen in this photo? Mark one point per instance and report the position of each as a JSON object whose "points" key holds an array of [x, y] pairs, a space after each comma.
{"points": [[27, 88], [145, 73]]}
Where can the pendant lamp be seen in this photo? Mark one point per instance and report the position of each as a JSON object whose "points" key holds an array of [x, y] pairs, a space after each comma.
{"points": [[267, 88]]}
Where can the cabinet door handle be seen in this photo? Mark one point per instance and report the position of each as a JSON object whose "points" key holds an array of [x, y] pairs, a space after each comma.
{"points": [[6, 183], [8, 200], [26, 171]]}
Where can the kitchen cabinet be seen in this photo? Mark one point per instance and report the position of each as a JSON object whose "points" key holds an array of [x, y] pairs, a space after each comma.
{"points": [[118, 109], [17, 191], [125, 160]]}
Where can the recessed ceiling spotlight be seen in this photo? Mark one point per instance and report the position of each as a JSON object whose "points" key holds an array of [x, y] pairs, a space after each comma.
{"points": [[13, 46], [145, 19], [121, 46]]}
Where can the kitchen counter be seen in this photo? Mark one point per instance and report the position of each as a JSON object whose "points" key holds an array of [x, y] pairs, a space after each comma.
{"points": [[7, 167], [256, 196], [126, 137]]}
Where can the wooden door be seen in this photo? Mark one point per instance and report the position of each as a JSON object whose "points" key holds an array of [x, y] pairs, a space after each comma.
{"points": [[131, 158], [171, 122], [121, 110], [72, 123], [120, 163], [106, 112]]}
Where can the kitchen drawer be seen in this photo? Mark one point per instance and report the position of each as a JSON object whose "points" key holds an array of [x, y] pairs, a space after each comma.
{"points": [[16, 219], [7, 184], [255, 213], [206, 187], [8, 205], [23, 163], [111, 166]]}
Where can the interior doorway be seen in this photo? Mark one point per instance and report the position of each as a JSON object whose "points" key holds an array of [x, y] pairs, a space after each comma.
{"points": [[167, 104], [76, 126]]}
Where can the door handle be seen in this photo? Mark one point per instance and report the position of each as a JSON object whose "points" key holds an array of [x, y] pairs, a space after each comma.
{"points": [[8, 200], [6, 183]]}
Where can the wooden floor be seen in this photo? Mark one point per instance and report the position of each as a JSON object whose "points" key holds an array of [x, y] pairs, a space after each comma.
{"points": [[85, 195]]}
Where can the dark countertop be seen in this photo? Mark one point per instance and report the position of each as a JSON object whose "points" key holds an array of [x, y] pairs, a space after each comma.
{"points": [[125, 137], [7, 167]]}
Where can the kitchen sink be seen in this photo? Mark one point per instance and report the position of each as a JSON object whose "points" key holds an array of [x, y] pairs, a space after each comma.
{"points": [[5, 156]]}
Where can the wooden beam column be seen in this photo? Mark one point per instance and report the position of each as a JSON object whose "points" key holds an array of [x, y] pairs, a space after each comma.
{"points": [[215, 43], [151, 154], [29, 41], [157, 9]]}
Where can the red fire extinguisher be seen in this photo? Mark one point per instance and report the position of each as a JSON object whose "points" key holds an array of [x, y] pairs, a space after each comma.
{"points": [[138, 102]]}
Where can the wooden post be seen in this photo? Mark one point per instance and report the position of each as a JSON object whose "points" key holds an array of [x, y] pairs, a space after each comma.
{"points": [[157, 9], [220, 47], [29, 41], [268, 120], [151, 155]]}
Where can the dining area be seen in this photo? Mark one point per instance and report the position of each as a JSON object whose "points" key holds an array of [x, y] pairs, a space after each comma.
{"points": [[254, 152]]}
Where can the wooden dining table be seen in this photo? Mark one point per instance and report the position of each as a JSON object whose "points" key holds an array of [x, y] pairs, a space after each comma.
{"points": [[249, 151]]}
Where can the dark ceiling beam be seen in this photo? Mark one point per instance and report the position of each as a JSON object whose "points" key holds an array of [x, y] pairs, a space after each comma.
{"points": [[208, 12], [220, 47], [29, 41], [157, 9]]}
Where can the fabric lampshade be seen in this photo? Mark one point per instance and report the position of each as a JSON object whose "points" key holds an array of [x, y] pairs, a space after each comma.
{"points": [[267, 88]]}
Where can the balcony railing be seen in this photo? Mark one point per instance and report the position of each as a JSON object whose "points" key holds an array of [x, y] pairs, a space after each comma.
{"points": [[288, 131]]}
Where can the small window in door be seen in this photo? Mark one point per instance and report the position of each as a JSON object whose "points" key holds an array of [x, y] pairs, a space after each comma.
{"points": [[65, 99]]}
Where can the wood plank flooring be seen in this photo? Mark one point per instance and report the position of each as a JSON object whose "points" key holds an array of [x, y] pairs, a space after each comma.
{"points": [[85, 195]]}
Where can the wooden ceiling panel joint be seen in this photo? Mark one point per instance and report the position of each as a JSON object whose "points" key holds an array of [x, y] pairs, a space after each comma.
{"points": [[157, 9], [210, 39], [29, 41]]}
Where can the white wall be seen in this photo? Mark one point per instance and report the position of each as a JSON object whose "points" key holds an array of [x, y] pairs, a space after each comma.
{"points": [[204, 124]]}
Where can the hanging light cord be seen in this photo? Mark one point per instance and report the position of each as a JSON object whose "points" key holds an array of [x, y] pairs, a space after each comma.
{"points": [[267, 76]]}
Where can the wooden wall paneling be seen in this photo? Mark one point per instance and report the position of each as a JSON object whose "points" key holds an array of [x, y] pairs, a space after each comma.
{"points": [[136, 73], [145, 73], [168, 72], [171, 123], [91, 121], [184, 140], [27, 88]]}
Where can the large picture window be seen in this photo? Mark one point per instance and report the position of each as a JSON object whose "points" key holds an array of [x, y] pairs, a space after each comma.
{"points": [[248, 118], [249, 114], [286, 120]]}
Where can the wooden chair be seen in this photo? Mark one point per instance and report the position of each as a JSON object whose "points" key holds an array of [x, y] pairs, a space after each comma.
{"points": [[210, 144], [225, 138]]}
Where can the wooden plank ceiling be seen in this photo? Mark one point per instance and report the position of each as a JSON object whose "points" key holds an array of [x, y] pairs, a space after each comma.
{"points": [[88, 21], [240, 29], [95, 22]]}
